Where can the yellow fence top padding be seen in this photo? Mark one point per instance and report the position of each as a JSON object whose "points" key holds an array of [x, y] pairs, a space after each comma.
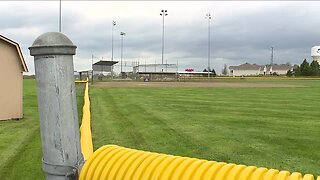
{"points": [[85, 128], [114, 162], [81, 81]]}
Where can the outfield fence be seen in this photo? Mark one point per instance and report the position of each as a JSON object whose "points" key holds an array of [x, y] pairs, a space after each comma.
{"points": [[53, 54]]}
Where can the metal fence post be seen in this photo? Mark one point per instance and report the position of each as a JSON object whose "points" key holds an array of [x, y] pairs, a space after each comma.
{"points": [[53, 58]]}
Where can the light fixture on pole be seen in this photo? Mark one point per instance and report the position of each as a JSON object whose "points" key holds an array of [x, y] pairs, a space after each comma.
{"points": [[208, 16], [163, 14], [122, 34]]}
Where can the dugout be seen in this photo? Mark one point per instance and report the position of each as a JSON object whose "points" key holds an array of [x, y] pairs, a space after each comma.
{"points": [[158, 76], [102, 69]]}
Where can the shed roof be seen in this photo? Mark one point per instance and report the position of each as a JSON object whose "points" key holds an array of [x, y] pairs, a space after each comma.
{"points": [[105, 63], [246, 66], [275, 67], [23, 63], [279, 67]]}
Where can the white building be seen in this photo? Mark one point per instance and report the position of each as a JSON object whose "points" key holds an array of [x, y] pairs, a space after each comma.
{"points": [[315, 53], [248, 69], [280, 69]]}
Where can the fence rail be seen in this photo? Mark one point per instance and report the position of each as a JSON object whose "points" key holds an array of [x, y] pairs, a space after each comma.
{"points": [[85, 128], [114, 162]]}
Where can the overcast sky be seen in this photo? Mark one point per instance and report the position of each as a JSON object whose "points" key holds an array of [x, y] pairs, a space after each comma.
{"points": [[240, 31]]}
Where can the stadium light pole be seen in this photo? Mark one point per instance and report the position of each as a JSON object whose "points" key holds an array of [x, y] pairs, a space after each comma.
{"points": [[113, 24], [163, 14], [122, 34], [208, 16]]}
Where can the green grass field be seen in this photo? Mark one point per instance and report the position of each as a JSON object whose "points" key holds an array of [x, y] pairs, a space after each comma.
{"points": [[269, 127], [273, 127]]}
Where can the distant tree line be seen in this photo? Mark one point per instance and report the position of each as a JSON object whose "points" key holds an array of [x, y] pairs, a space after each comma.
{"points": [[213, 72], [305, 69]]}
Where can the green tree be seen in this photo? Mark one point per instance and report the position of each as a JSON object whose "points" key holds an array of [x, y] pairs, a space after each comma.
{"points": [[305, 68], [314, 67], [213, 72], [296, 71], [204, 75], [289, 73]]}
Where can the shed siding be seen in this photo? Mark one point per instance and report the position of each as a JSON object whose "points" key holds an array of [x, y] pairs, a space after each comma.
{"points": [[245, 72], [11, 82]]}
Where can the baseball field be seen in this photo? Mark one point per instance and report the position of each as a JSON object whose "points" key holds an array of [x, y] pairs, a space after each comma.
{"points": [[266, 123]]}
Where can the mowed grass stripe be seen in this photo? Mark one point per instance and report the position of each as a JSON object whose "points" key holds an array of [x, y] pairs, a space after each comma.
{"points": [[137, 132], [274, 128], [120, 128], [16, 138], [26, 161]]}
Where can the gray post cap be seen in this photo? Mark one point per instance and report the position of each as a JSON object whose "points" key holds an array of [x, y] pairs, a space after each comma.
{"points": [[52, 43]]}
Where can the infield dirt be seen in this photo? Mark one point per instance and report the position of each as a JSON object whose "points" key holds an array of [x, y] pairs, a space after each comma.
{"points": [[195, 84]]}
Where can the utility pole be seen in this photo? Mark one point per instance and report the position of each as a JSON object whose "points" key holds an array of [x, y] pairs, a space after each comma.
{"points": [[177, 65], [60, 16], [208, 16], [177, 70], [271, 60], [166, 65], [92, 69]]}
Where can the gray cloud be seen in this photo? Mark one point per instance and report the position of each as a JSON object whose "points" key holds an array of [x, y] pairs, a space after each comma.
{"points": [[239, 33]]}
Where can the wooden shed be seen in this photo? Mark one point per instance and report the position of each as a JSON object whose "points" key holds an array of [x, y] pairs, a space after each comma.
{"points": [[12, 66]]}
